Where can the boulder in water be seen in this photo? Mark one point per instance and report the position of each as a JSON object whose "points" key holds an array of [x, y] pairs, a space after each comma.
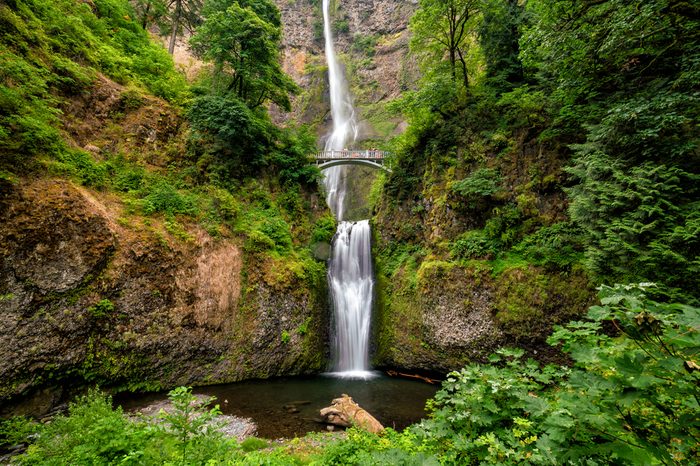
{"points": [[345, 412]]}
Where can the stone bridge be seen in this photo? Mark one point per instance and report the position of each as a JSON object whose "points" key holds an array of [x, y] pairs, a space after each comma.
{"points": [[369, 158]]}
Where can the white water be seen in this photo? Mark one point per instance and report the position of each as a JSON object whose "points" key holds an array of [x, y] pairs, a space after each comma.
{"points": [[344, 124], [350, 268], [351, 284]]}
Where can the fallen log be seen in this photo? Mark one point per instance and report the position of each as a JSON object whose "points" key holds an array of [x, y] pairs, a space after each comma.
{"points": [[345, 412], [393, 373]]}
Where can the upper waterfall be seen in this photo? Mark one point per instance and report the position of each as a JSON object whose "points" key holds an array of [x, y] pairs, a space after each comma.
{"points": [[344, 123], [342, 110]]}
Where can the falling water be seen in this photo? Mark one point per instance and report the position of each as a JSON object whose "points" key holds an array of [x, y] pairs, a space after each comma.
{"points": [[350, 269], [351, 284], [344, 123]]}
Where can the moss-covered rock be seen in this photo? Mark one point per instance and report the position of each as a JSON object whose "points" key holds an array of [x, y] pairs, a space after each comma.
{"points": [[180, 311]]}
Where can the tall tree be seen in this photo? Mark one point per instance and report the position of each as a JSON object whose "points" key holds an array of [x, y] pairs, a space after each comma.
{"points": [[626, 75], [182, 14], [499, 36], [443, 28], [150, 12], [242, 40]]}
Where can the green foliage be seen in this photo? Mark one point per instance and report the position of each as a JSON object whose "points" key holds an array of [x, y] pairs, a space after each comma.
{"points": [[523, 107], [631, 397], [101, 309], [16, 430], [285, 337], [480, 184], [473, 244], [556, 246], [290, 156], [303, 329], [441, 29], [324, 230], [481, 414], [234, 131], [242, 40], [340, 26], [499, 34], [258, 241], [638, 220], [635, 395], [162, 196], [625, 77], [191, 424], [527, 302], [364, 45], [53, 49], [278, 231], [253, 444], [93, 433]]}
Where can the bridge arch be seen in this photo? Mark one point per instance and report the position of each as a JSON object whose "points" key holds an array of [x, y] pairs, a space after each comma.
{"points": [[366, 163], [369, 158]]}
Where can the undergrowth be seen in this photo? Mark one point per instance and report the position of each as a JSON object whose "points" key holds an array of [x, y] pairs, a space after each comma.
{"points": [[630, 397]]}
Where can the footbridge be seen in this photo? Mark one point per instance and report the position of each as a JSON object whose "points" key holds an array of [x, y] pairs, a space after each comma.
{"points": [[369, 158]]}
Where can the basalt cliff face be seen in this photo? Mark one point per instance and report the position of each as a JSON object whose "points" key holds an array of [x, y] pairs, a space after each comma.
{"points": [[93, 294], [371, 40]]}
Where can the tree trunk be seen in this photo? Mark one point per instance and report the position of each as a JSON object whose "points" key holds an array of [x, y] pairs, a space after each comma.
{"points": [[464, 70], [144, 21], [176, 26], [345, 412]]}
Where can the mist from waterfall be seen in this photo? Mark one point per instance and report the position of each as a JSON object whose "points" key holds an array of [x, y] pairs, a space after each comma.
{"points": [[350, 274]]}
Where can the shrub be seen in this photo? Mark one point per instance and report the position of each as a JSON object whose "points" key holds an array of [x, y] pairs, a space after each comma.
{"points": [[92, 433], [161, 196], [258, 241], [324, 230], [556, 246], [480, 185], [102, 309], [473, 244], [278, 231]]}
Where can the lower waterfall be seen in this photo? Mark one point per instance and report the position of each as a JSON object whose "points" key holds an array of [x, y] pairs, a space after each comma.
{"points": [[352, 286]]}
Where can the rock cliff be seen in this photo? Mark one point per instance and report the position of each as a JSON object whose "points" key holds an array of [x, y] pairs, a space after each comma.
{"points": [[92, 292], [371, 40], [86, 299]]}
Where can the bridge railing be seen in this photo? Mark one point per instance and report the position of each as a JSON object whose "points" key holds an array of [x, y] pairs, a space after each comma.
{"points": [[351, 154]]}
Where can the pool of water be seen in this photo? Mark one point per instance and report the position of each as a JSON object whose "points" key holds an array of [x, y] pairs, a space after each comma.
{"points": [[289, 406]]}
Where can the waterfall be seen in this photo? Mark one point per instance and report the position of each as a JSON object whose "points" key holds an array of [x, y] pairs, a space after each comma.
{"points": [[351, 285], [344, 124], [350, 268]]}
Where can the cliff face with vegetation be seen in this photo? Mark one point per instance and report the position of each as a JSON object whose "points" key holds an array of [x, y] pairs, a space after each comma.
{"points": [[89, 297], [371, 40], [448, 295], [93, 291], [129, 258], [538, 164]]}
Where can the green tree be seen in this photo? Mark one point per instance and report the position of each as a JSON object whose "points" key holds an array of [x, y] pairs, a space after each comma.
{"points": [[625, 76], [244, 47], [181, 14], [150, 12], [443, 28], [499, 36]]}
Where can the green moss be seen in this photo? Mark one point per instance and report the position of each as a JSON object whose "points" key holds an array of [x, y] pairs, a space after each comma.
{"points": [[432, 272], [528, 301]]}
